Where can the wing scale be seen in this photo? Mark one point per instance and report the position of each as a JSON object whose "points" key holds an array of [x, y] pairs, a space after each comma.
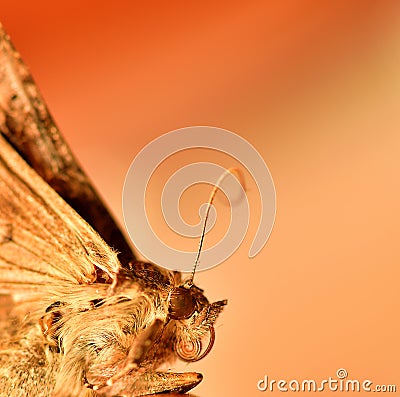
{"points": [[43, 241], [27, 124]]}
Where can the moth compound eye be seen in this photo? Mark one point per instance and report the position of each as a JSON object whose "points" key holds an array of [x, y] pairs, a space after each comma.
{"points": [[182, 304], [192, 350]]}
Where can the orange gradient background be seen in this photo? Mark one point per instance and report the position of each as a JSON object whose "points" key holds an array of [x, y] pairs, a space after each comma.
{"points": [[315, 87]]}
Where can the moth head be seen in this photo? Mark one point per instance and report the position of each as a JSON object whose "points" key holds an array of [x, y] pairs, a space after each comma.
{"points": [[195, 317], [190, 307]]}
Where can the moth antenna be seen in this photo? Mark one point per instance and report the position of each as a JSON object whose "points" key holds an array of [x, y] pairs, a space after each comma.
{"points": [[217, 185]]}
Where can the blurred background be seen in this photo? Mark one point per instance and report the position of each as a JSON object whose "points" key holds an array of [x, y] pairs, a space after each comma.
{"points": [[315, 87]]}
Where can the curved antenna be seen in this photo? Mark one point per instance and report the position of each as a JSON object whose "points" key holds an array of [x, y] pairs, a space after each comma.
{"points": [[239, 175]]}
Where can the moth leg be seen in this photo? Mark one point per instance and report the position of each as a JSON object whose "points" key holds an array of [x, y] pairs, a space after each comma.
{"points": [[152, 383], [144, 382], [144, 341], [137, 352]]}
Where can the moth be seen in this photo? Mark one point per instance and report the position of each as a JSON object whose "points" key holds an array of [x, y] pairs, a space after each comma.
{"points": [[83, 317]]}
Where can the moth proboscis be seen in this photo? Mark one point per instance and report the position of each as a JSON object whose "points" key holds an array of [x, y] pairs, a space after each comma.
{"points": [[81, 320]]}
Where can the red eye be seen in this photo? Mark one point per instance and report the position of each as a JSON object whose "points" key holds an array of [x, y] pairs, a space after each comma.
{"points": [[192, 350]]}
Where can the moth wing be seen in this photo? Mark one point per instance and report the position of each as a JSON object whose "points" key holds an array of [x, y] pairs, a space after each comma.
{"points": [[43, 241], [27, 124]]}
